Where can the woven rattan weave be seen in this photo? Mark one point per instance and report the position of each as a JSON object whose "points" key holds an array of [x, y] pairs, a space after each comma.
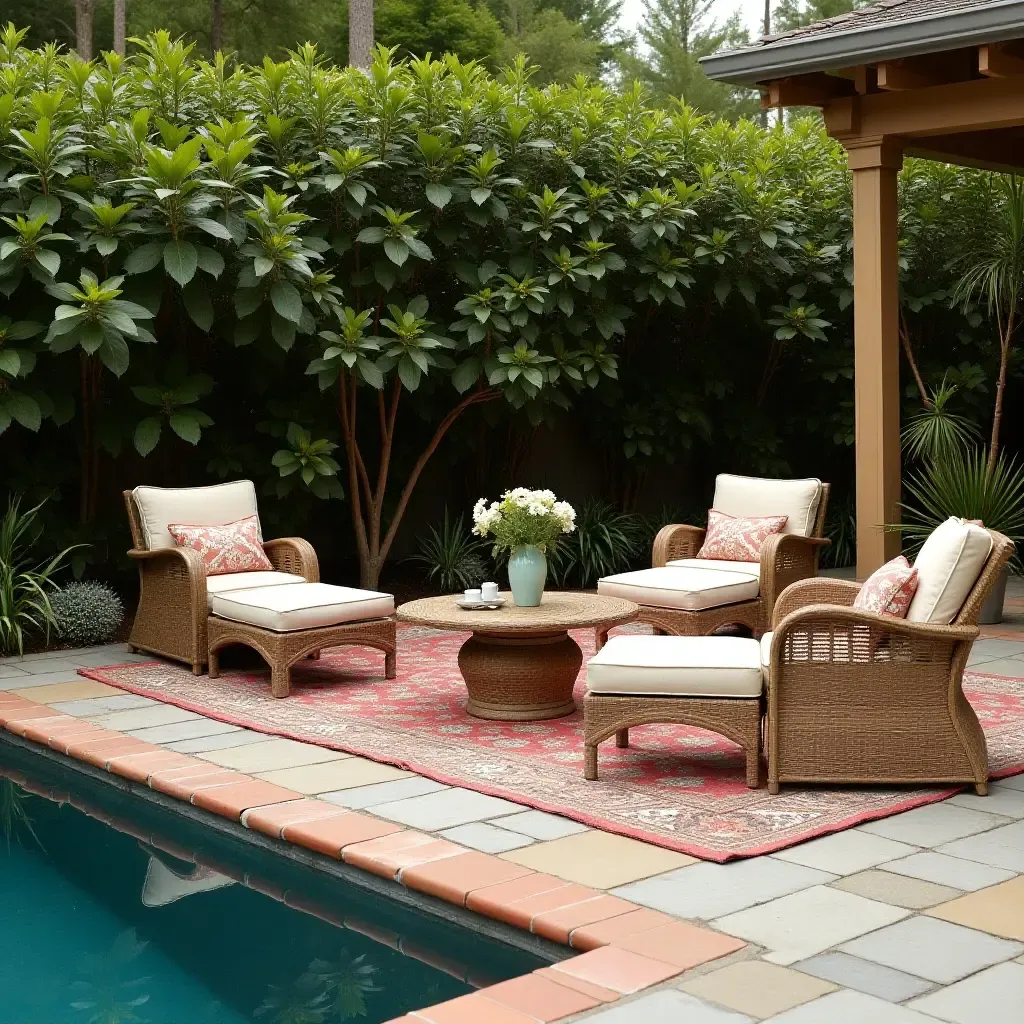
{"points": [[282, 650], [171, 616], [520, 664], [860, 698]]}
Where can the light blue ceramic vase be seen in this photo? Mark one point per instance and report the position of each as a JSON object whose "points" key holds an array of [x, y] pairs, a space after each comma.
{"points": [[527, 571]]}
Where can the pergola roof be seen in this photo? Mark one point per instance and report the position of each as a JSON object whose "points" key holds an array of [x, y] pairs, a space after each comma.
{"points": [[888, 30]]}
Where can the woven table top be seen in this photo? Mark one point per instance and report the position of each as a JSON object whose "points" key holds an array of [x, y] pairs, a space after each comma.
{"points": [[557, 611]]}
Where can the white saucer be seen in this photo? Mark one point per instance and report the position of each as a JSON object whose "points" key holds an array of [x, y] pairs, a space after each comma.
{"points": [[479, 606]]}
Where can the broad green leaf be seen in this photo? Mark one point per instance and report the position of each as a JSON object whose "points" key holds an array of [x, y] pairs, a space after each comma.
{"points": [[397, 251], [210, 261], [147, 434], [212, 227], [287, 301], [185, 425], [48, 260], [143, 259], [181, 261], [23, 409], [196, 297], [439, 195], [114, 353], [10, 362]]}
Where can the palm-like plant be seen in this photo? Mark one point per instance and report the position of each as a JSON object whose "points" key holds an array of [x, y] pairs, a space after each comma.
{"points": [[935, 432], [24, 588], [604, 542], [992, 272], [451, 555], [969, 485]]}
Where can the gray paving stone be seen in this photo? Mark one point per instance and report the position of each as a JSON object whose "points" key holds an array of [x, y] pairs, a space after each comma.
{"points": [[991, 649], [933, 949], [706, 891], [445, 809], [1012, 781], [900, 890], [848, 1007], [1002, 847], [103, 658], [360, 797], [804, 923], [479, 835], [1004, 800], [864, 976], [48, 665], [39, 679], [102, 705], [184, 731], [933, 824], [945, 870], [11, 672], [201, 744], [1013, 667], [541, 825], [995, 996], [666, 1007], [845, 853], [144, 718]]}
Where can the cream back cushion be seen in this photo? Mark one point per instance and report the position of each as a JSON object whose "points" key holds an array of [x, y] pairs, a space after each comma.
{"points": [[192, 506], [948, 566], [749, 497]]}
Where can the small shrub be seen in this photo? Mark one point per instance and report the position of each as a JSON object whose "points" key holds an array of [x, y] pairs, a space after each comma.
{"points": [[450, 555], [606, 541], [87, 613]]}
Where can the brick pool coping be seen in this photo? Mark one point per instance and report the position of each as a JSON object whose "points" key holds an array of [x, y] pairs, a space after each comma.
{"points": [[622, 947]]}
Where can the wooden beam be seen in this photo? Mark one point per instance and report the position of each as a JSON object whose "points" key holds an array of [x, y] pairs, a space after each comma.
{"points": [[807, 91], [875, 164], [1000, 61], [978, 105], [1001, 151], [898, 75]]}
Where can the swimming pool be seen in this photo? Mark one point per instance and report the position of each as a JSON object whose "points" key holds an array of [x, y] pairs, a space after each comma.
{"points": [[115, 911]]}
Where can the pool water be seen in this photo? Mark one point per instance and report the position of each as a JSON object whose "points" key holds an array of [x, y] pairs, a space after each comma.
{"points": [[155, 919]]}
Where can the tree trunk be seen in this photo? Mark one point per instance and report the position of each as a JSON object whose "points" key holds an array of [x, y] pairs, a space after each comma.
{"points": [[217, 25], [84, 10], [366, 500], [360, 33], [119, 20], [997, 413], [767, 28]]}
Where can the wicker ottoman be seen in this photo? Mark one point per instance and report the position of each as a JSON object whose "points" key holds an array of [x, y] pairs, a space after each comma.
{"points": [[712, 682], [297, 620]]}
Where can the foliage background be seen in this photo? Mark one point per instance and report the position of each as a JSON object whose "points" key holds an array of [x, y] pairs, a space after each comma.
{"points": [[678, 284]]}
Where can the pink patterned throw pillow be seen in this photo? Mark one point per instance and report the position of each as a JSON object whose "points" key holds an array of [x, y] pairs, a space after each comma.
{"points": [[889, 590], [730, 539], [235, 547]]}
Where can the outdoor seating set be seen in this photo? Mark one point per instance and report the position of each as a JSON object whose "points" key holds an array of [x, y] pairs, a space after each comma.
{"points": [[840, 683]]}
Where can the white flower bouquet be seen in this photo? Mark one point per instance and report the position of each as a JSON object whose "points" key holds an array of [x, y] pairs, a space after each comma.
{"points": [[524, 517]]}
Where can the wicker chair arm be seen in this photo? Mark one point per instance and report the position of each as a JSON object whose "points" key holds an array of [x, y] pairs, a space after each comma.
{"points": [[820, 590], [294, 555], [785, 559], [676, 541], [175, 564], [828, 616]]}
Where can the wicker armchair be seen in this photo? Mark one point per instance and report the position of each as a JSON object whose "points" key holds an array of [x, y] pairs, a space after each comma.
{"points": [[855, 697], [173, 603], [785, 558]]}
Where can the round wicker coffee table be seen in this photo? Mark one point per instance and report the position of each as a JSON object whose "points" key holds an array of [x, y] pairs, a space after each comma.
{"points": [[520, 664]]}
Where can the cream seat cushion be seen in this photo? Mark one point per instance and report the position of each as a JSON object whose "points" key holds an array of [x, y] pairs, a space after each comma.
{"points": [[681, 666], [192, 506], [301, 606], [754, 497], [948, 565], [246, 581], [685, 589], [719, 564], [766, 649]]}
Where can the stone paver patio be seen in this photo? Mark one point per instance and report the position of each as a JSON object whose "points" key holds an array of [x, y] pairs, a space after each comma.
{"points": [[914, 918]]}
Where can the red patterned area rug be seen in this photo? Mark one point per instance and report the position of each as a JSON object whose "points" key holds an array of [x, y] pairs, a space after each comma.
{"points": [[677, 787]]}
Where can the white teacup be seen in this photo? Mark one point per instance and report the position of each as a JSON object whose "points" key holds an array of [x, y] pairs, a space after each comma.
{"points": [[489, 591], [473, 596]]}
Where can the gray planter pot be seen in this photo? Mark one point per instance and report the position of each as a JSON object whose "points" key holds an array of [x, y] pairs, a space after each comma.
{"points": [[992, 609]]}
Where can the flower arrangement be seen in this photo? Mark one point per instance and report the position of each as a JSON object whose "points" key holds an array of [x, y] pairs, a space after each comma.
{"points": [[524, 517]]}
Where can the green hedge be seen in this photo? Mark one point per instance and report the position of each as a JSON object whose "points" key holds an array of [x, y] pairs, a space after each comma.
{"points": [[311, 275]]}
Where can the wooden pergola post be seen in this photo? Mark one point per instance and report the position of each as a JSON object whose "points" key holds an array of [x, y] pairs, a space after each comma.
{"points": [[875, 163]]}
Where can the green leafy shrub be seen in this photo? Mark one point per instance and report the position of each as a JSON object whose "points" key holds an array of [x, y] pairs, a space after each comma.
{"points": [[606, 541], [451, 556], [87, 613]]}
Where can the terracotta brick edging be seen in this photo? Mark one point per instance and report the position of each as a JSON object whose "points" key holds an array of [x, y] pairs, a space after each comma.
{"points": [[624, 948]]}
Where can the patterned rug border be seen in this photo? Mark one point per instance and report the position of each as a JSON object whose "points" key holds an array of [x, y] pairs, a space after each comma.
{"points": [[702, 853]]}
